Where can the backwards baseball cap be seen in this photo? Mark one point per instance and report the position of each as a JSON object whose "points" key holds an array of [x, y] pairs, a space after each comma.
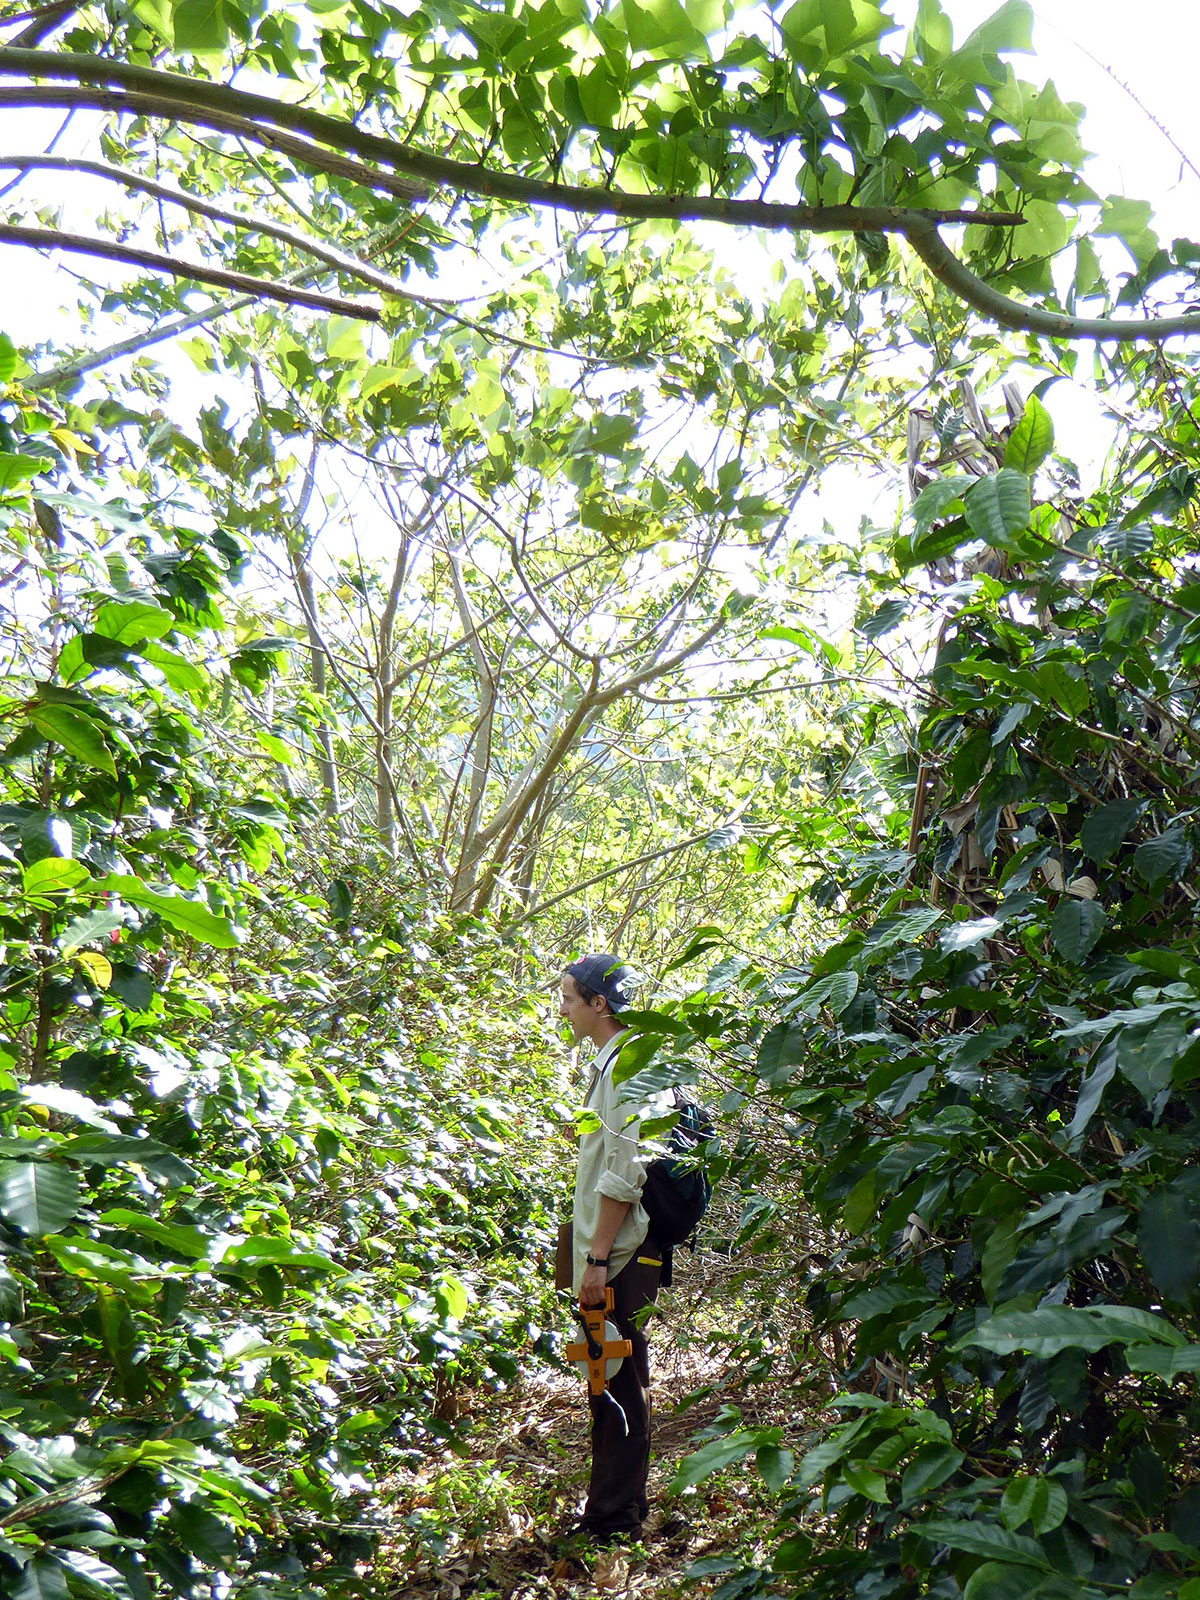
{"points": [[606, 975]]}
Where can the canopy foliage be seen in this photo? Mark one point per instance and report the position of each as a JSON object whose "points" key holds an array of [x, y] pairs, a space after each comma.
{"points": [[466, 600]]}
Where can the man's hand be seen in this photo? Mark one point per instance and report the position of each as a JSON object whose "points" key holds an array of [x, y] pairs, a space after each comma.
{"points": [[591, 1289]]}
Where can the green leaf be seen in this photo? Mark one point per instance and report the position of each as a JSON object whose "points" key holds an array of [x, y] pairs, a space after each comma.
{"points": [[1165, 857], [1129, 221], [1039, 1501], [1107, 827], [344, 339], [109, 1150], [775, 1464], [1075, 927], [997, 1580], [78, 734], [187, 915], [966, 935], [53, 875], [67, 1102], [999, 1251], [263, 1249], [1147, 1053], [1091, 1092], [999, 507], [8, 358], [87, 929], [836, 991], [133, 621], [1051, 1329], [938, 499], [884, 619], [43, 833], [1008, 30], [190, 1243], [182, 675], [37, 1196], [1032, 440], [819, 30], [43, 1578], [1065, 688], [1011, 720], [866, 1481], [712, 1457], [1164, 1363], [276, 748], [1126, 543], [860, 1204], [929, 1468], [200, 26], [782, 1050], [1169, 1241], [16, 470], [451, 1297], [980, 1539]]}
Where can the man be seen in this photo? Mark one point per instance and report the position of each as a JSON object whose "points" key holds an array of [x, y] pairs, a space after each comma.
{"points": [[612, 1249]]}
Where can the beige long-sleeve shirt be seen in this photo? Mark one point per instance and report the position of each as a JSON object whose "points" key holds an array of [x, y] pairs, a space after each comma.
{"points": [[608, 1162]]}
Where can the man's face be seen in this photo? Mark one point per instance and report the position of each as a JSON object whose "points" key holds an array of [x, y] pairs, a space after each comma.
{"points": [[579, 1014]]}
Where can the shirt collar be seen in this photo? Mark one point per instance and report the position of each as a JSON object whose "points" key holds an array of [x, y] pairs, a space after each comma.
{"points": [[606, 1052]]}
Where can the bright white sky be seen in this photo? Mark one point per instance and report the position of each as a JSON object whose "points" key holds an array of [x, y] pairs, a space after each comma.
{"points": [[1153, 48]]}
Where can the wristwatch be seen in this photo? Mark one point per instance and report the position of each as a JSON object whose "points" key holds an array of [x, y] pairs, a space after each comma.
{"points": [[595, 1261]]}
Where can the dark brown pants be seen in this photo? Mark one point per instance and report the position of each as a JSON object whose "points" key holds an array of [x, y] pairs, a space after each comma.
{"points": [[616, 1501]]}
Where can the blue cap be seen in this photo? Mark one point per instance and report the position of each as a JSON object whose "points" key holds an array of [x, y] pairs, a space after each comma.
{"points": [[606, 975]]}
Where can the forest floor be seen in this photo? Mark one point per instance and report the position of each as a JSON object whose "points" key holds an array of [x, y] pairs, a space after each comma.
{"points": [[494, 1525]]}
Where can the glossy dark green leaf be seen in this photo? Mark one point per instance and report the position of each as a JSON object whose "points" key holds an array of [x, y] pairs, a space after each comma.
{"points": [[1050, 1329], [1147, 1052], [42, 1578], [929, 1468], [998, 507], [92, 928], [883, 619], [1163, 1361], [982, 1539], [1075, 927], [1162, 858], [782, 1050], [38, 1197], [1041, 1502], [1106, 828], [774, 1464], [938, 499], [1169, 1241]]}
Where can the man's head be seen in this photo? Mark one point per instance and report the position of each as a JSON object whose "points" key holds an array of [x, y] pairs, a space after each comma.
{"points": [[594, 989]]}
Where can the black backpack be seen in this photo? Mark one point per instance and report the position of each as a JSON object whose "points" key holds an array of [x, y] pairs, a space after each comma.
{"points": [[677, 1191]]}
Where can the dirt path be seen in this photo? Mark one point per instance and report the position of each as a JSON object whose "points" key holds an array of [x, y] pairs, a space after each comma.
{"points": [[492, 1527]]}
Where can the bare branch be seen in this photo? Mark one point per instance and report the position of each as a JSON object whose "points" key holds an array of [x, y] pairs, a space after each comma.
{"points": [[152, 261], [340, 260], [980, 296]]}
